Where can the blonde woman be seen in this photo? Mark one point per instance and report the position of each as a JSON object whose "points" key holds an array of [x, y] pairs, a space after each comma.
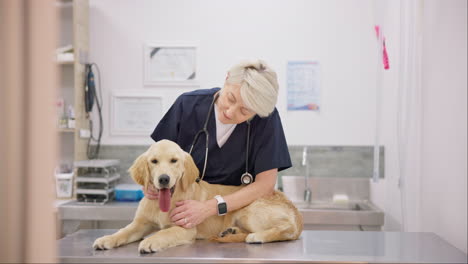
{"points": [[242, 129]]}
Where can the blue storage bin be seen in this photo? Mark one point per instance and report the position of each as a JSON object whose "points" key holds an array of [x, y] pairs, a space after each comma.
{"points": [[128, 192]]}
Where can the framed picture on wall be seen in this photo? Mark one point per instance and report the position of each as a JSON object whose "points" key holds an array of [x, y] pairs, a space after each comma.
{"points": [[135, 112], [170, 64], [303, 84]]}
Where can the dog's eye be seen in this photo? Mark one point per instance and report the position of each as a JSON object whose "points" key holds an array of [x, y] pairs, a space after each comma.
{"points": [[173, 160], [154, 161]]}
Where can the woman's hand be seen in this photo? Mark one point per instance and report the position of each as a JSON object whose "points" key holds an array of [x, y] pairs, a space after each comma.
{"points": [[151, 192], [190, 213]]}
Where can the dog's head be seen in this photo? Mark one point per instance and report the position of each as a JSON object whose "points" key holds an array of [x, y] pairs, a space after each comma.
{"points": [[166, 166]]}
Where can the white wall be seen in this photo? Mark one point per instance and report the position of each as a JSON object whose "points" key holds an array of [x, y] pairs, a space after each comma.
{"points": [[436, 195], [444, 141], [337, 33]]}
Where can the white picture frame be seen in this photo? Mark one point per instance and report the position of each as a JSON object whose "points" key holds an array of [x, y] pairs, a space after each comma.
{"points": [[169, 64], [135, 113]]}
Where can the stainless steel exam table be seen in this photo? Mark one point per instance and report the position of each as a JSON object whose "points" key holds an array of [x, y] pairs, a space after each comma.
{"points": [[313, 246]]}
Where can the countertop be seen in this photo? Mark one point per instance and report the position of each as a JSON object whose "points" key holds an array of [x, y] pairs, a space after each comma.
{"points": [[119, 211], [313, 246]]}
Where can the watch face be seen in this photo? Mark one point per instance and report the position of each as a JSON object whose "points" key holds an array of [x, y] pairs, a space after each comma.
{"points": [[222, 208]]}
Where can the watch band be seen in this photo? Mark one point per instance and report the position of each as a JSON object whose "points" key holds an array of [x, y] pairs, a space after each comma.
{"points": [[222, 206], [219, 198]]}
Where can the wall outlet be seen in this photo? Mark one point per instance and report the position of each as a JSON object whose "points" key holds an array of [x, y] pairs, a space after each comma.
{"points": [[85, 133]]}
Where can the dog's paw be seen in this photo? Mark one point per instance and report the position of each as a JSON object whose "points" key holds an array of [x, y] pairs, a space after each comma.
{"points": [[106, 242], [149, 246], [228, 231], [254, 238]]}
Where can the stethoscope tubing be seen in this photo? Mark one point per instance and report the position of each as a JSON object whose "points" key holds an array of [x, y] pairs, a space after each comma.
{"points": [[246, 178]]}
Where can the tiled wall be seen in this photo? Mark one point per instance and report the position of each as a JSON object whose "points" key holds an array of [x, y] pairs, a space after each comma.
{"points": [[335, 161], [324, 161], [126, 155]]}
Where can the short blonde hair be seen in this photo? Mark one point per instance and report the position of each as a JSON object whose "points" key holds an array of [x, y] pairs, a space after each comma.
{"points": [[259, 85]]}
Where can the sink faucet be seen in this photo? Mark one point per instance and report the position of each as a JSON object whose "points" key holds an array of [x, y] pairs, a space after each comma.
{"points": [[307, 192]]}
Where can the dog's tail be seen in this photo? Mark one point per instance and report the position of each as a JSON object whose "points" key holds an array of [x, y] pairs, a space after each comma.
{"points": [[230, 238]]}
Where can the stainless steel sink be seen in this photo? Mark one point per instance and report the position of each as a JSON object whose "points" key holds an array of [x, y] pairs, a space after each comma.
{"points": [[353, 215], [349, 206]]}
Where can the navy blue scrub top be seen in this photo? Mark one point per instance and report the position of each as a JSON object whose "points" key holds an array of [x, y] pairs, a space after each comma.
{"points": [[267, 148]]}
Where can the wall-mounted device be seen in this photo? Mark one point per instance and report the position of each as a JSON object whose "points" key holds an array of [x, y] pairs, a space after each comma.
{"points": [[90, 97]]}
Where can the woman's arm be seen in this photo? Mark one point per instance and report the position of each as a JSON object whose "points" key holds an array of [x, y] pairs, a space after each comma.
{"points": [[264, 184], [195, 212]]}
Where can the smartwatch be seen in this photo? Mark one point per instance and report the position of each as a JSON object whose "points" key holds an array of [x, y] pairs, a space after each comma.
{"points": [[222, 206]]}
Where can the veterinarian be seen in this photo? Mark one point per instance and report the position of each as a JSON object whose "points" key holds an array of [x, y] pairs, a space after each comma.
{"points": [[242, 113]]}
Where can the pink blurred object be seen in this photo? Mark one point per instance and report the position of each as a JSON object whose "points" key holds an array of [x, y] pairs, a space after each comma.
{"points": [[385, 57], [377, 31], [385, 60]]}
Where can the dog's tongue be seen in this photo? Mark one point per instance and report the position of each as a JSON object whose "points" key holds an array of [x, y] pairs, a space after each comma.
{"points": [[164, 199]]}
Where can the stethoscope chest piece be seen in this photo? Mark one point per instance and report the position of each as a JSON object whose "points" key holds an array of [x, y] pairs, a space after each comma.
{"points": [[246, 178]]}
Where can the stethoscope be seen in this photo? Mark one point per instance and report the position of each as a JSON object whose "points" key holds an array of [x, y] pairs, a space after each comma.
{"points": [[246, 178]]}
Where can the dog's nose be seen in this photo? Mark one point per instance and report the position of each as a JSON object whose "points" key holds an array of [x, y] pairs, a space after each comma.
{"points": [[163, 180]]}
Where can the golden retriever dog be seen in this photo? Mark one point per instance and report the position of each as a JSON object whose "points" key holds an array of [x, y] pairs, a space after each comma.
{"points": [[173, 172]]}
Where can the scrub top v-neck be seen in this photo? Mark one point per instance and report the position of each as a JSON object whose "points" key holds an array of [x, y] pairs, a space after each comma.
{"points": [[267, 147]]}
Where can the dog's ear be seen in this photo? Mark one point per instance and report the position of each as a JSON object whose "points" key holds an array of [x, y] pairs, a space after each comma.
{"points": [[140, 170], [191, 172]]}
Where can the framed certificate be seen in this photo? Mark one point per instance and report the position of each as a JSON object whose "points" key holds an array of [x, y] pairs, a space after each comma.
{"points": [[135, 113], [170, 64]]}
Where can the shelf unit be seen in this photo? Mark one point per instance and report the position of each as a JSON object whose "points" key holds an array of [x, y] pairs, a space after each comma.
{"points": [[74, 25], [96, 180]]}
